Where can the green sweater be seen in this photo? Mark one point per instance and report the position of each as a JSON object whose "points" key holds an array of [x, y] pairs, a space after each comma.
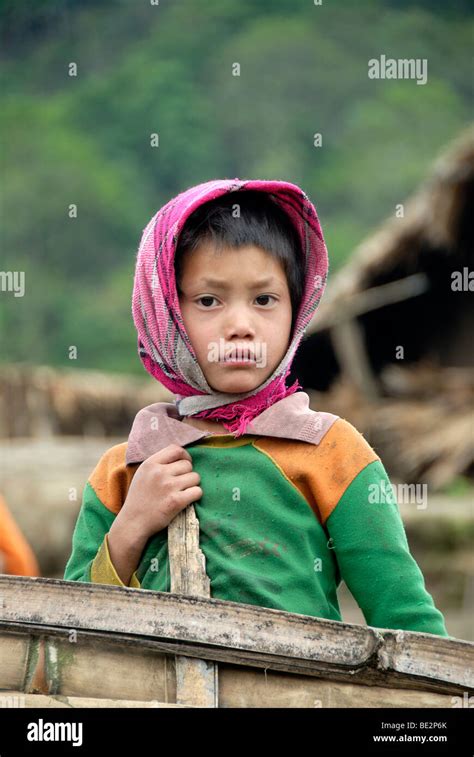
{"points": [[282, 522]]}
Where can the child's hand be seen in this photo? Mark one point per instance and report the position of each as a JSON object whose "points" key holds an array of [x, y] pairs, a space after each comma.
{"points": [[163, 485]]}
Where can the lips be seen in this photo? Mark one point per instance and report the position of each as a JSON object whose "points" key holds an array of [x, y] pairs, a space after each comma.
{"points": [[239, 360], [238, 355]]}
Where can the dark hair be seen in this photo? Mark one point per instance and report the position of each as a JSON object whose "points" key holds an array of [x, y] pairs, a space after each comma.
{"points": [[261, 222]]}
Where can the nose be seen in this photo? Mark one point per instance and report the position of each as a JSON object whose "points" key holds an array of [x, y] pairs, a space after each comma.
{"points": [[239, 324]]}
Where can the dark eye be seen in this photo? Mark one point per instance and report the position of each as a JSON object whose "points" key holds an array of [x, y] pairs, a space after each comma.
{"points": [[265, 296], [205, 297]]}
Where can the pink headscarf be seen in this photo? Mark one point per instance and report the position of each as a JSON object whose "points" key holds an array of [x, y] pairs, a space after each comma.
{"points": [[163, 343]]}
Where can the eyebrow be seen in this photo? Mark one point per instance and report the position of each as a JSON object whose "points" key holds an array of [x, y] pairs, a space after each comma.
{"points": [[223, 284]]}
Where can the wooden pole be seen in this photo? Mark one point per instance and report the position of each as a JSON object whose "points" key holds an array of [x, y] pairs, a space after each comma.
{"points": [[359, 303], [349, 345], [196, 679]]}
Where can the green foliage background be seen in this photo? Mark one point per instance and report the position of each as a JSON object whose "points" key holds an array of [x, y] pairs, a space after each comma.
{"points": [[167, 69]]}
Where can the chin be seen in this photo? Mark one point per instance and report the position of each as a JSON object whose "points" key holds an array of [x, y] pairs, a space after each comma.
{"points": [[235, 385], [234, 388]]}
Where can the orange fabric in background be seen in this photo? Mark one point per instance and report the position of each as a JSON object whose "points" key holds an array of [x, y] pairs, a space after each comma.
{"points": [[15, 553]]}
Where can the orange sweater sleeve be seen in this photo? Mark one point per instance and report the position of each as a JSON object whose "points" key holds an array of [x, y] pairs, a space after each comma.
{"points": [[16, 556]]}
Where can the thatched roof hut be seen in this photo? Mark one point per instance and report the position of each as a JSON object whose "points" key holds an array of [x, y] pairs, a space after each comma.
{"points": [[391, 344], [398, 287]]}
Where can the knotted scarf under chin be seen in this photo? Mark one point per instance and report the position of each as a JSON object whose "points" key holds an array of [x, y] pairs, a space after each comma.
{"points": [[237, 414]]}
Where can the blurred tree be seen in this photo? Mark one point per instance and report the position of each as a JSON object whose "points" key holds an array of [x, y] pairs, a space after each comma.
{"points": [[85, 141]]}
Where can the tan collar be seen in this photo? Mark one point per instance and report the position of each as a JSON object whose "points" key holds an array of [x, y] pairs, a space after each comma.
{"points": [[158, 425]]}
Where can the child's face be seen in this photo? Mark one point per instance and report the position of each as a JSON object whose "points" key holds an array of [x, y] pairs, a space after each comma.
{"points": [[236, 313]]}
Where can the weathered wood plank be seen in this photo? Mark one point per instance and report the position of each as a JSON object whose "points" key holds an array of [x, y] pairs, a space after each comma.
{"points": [[235, 633], [187, 621], [243, 687], [121, 667], [13, 660], [19, 699]]}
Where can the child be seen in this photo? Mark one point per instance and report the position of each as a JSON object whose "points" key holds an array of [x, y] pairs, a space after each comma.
{"points": [[290, 501]]}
